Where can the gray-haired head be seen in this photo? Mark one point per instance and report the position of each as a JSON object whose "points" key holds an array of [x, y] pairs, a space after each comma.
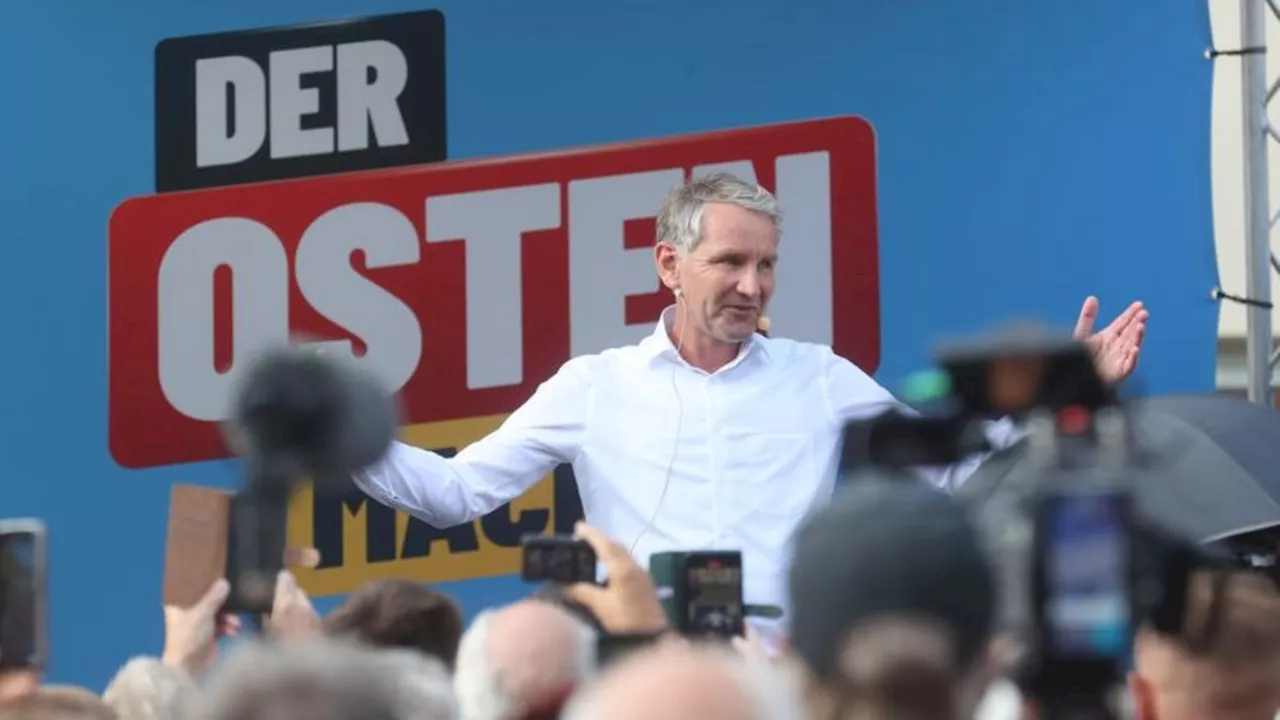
{"points": [[680, 218], [327, 679], [147, 689]]}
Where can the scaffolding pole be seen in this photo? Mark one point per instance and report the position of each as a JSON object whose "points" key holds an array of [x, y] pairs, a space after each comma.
{"points": [[1258, 260]]}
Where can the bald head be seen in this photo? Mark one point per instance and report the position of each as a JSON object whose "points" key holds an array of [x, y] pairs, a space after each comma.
{"points": [[523, 658], [675, 681], [537, 647]]}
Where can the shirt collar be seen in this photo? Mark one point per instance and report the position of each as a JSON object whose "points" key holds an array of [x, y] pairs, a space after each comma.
{"points": [[659, 346]]}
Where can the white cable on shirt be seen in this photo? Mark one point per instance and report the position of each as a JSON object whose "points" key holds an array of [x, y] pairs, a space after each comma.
{"points": [[675, 444]]}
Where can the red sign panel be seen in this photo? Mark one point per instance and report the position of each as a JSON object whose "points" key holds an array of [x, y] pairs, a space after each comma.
{"points": [[462, 284]]}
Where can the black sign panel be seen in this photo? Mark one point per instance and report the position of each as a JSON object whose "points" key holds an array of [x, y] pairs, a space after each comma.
{"points": [[288, 102]]}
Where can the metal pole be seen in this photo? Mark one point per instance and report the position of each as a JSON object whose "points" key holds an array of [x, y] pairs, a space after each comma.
{"points": [[1257, 201]]}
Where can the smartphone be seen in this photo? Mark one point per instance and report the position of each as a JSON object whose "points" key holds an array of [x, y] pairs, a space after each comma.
{"points": [[23, 594], [560, 559], [1084, 581], [712, 593]]}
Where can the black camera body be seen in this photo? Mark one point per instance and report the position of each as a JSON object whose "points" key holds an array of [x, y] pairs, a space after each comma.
{"points": [[558, 559], [1080, 568]]}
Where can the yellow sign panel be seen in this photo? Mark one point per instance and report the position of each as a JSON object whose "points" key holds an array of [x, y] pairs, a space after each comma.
{"points": [[360, 540]]}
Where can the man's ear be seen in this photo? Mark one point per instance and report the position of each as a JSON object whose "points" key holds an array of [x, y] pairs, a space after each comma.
{"points": [[667, 261]]}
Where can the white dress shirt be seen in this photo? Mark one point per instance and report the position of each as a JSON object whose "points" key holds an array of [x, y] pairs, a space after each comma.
{"points": [[667, 456]]}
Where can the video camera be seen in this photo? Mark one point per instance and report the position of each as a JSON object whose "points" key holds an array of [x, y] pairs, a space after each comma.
{"points": [[1080, 568]]}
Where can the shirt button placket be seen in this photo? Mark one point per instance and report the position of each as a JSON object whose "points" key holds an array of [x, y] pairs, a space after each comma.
{"points": [[713, 453]]}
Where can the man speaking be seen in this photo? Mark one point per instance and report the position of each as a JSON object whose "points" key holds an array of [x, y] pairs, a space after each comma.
{"points": [[705, 435]]}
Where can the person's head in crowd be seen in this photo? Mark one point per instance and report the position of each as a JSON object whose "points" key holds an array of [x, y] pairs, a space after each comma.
{"points": [[1235, 676], [522, 661], [58, 702], [683, 681], [401, 614], [327, 679], [893, 605], [148, 689]]}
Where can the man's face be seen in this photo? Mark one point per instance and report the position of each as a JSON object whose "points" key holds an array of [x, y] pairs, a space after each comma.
{"points": [[728, 279]]}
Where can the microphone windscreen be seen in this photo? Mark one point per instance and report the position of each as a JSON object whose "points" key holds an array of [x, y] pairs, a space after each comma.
{"points": [[300, 412]]}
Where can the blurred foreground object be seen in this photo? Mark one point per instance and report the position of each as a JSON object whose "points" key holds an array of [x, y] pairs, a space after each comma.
{"points": [[326, 679], [1081, 560], [1212, 468], [1012, 374], [885, 549], [299, 414], [24, 594]]}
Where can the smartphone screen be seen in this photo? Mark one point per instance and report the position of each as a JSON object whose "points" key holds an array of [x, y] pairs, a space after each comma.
{"points": [[558, 559], [21, 598], [1086, 556], [714, 595]]}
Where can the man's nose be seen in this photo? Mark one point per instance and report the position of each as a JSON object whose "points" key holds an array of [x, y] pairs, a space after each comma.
{"points": [[749, 283]]}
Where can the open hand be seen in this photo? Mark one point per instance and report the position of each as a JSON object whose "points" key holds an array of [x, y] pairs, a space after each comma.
{"points": [[1115, 348]]}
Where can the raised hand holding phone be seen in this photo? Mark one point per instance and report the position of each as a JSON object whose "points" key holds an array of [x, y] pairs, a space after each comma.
{"points": [[628, 604], [191, 634]]}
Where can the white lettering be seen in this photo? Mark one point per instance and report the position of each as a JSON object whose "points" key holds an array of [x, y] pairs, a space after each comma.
{"points": [[259, 268], [801, 308], [290, 102], [602, 273], [491, 223], [216, 79], [326, 278], [362, 101]]}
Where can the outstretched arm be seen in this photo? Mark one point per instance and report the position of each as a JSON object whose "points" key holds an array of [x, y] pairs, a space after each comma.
{"points": [[544, 432]]}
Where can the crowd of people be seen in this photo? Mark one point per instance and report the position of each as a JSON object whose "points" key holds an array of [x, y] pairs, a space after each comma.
{"points": [[894, 617]]}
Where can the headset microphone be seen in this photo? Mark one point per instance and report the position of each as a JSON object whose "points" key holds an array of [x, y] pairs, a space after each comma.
{"points": [[763, 324]]}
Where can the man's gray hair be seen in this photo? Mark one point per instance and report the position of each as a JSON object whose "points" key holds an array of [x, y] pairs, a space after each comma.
{"points": [[479, 681], [680, 218], [328, 679]]}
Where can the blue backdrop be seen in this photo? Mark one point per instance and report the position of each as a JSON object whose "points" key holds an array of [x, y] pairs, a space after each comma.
{"points": [[1030, 153]]}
